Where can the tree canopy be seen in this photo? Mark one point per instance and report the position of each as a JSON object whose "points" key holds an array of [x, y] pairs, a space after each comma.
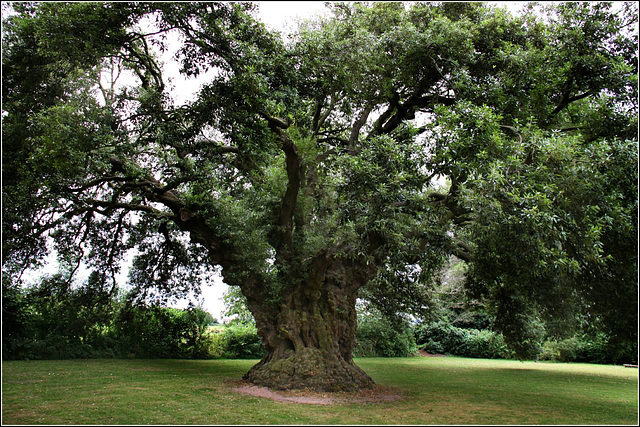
{"points": [[350, 160]]}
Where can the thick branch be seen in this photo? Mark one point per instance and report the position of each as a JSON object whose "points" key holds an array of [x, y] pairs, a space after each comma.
{"points": [[319, 117], [285, 218], [95, 182], [294, 177], [458, 213], [184, 216], [462, 251], [406, 111], [566, 100], [357, 125], [316, 115], [393, 105], [111, 205], [274, 122], [227, 149]]}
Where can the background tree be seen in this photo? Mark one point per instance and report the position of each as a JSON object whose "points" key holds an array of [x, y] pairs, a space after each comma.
{"points": [[306, 170], [236, 307]]}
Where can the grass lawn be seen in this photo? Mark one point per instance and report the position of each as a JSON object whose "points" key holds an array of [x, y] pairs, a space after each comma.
{"points": [[444, 390]]}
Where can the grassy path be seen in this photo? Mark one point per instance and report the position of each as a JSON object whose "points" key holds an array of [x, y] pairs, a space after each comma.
{"points": [[445, 390]]}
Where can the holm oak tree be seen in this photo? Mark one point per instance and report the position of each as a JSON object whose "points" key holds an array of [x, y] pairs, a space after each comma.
{"points": [[348, 161]]}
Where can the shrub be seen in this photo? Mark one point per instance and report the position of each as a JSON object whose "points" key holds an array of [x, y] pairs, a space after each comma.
{"points": [[56, 321], [242, 342], [441, 337], [598, 349], [217, 344], [17, 318], [487, 344], [377, 337], [560, 350], [159, 332]]}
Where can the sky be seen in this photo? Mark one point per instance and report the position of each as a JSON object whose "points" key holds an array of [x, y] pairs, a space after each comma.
{"points": [[281, 15]]}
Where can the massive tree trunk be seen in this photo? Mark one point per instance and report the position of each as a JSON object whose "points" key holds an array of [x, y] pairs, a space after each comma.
{"points": [[310, 334]]}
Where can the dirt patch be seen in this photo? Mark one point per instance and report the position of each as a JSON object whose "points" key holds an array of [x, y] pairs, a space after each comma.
{"points": [[253, 390], [376, 395], [425, 354]]}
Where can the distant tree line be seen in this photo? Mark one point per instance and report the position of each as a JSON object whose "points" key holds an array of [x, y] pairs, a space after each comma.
{"points": [[461, 325], [54, 320], [456, 324]]}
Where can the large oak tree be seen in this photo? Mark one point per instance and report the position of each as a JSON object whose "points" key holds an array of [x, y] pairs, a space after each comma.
{"points": [[350, 160]]}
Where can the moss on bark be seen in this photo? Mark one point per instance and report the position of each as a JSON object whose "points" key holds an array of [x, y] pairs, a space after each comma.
{"points": [[310, 368], [310, 334]]}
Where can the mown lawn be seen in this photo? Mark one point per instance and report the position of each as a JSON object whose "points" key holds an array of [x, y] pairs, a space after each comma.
{"points": [[445, 390]]}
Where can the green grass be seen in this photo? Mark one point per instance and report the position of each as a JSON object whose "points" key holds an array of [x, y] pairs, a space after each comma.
{"points": [[445, 390]]}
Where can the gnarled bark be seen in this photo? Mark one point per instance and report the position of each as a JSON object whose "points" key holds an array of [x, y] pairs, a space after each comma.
{"points": [[310, 337]]}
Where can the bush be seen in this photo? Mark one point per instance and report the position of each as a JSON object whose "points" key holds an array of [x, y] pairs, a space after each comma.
{"points": [[443, 338], [217, 344], [439, 338], [377, 337], [17, 318], [598, 349], [54, 320], [159, 332], [242, 342], [487, 345], [560, 351]]}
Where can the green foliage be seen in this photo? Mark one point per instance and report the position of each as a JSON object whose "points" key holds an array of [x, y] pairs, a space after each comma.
{"points": [[598, 349], [150, 332], [443, 338], [236, 307], [450, 302], [328, 146], [538, 226], [58, 320], [17, 313], [378, 337], [242, 342], [218, 344]]}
